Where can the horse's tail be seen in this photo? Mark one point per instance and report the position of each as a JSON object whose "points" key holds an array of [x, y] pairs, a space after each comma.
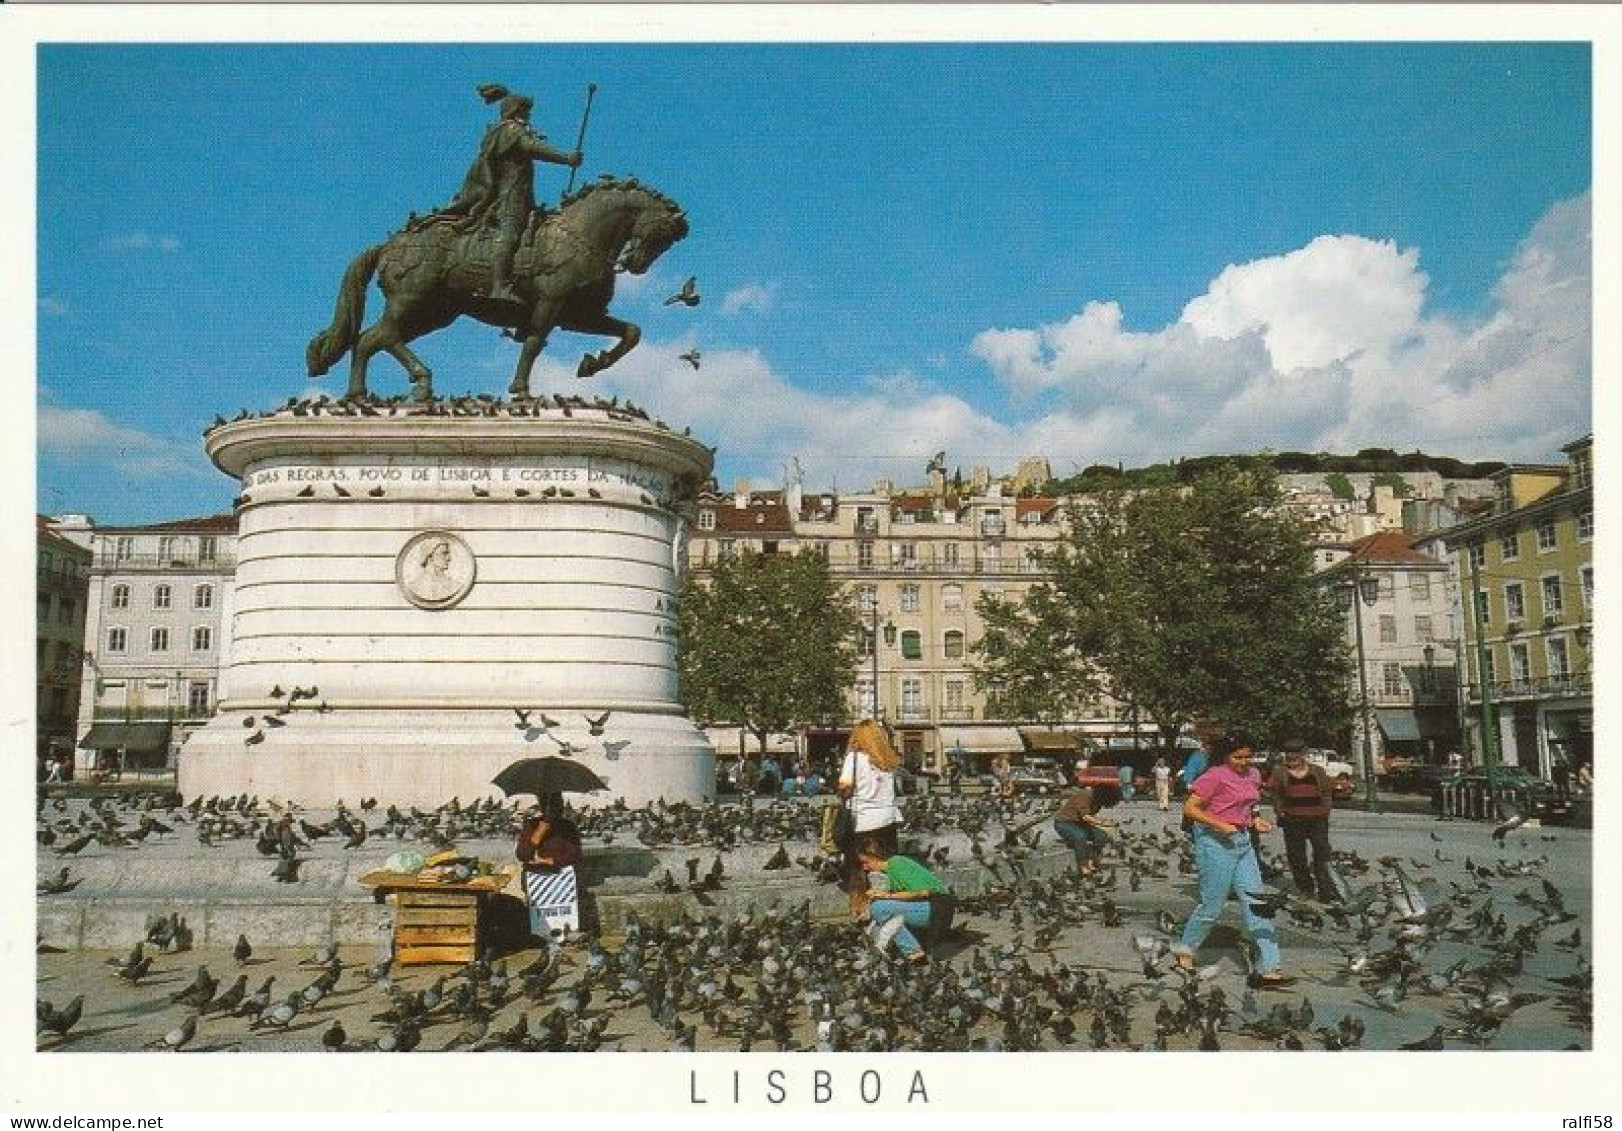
{"points": [[333, 342]]}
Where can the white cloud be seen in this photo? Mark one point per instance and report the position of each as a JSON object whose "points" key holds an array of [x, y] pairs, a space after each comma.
{"points": [[1327, 347], [142, 240], [87, 436], [750, 296]]}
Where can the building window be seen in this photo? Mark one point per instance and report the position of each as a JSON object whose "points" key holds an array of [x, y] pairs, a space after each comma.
{"points": [[1553, 603], [1392, 685], [864, 643], [161, 597], [168, 548], [912, 697], [866, 521], [867, 599], [1489, 667], [1419, 587], [1483, 611], [726, 550], [1388, 629], [706, 519], [1423, 631], [866, 704], [1547, 539], [1476, 554], [121, 597], [1585, 526], [1514, 601], [117, 639], [992, 559], [1033, 559], [1509, 546], [160, 639], [949, 555], [952, 644], [66, 607], [1587, 574], [954, 695], [864, 555], [909, 598], [912, 645], [1559, 658], [203, 597], [197, 702], [1388, 586], [207, 549], [202, 638], [123, 548], [1520, 665], [42, 609], [905, 555], [952, 597]]}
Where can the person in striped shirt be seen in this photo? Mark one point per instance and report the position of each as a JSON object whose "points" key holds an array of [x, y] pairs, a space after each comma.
{"points": [[1301, 796]]}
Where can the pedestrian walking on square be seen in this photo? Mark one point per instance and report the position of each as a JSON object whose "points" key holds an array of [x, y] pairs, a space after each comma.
{"points": [[1128, 787], [1221, 805], [911, 893], [867, 787], [1078, 824], [1193, 766], [1162, 772], [1560, 771], [1585, 777], [1302, 797]]}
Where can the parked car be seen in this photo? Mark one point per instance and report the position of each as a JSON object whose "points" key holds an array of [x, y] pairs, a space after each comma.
{"points": [[1036, 775]]}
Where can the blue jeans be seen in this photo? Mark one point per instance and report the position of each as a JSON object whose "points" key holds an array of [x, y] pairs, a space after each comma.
{"points": [[1228, 866], [911, 912], [1083, 841]]}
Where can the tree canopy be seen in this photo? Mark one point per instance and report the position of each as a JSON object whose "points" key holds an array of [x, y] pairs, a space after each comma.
{"points": [[1188, 602], [767, 643]]}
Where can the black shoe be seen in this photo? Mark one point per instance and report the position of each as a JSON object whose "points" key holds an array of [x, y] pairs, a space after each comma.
{"points": [[1273, 981]]}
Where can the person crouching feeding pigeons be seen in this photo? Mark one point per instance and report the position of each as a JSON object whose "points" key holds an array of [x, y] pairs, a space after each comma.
{"points": [[549, 848], [1221, 805], [1078, 824], [906, 902]]}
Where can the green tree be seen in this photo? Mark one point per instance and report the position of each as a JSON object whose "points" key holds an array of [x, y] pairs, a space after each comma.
{"points": [[767, 643], [1340, 486], [1189, 603]]}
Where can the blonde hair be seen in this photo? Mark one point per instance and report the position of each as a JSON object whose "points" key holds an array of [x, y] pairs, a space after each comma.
{"points": [[868, 737]]}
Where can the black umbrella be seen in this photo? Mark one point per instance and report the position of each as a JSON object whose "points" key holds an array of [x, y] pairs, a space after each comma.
{"points": [[542, 776]]}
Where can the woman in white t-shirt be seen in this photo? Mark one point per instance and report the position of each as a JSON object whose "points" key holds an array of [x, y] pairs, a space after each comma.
{"points": [[867, 787]]}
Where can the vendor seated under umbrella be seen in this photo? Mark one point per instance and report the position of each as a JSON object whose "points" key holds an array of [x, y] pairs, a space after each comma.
{"points": [[549, 848]]}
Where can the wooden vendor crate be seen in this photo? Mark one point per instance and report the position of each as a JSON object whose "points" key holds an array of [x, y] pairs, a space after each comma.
{"points": [[435, 926], [435, 922]]}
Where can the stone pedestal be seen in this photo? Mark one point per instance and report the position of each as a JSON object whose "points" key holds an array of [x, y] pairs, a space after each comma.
{"points": [[409, 580]]}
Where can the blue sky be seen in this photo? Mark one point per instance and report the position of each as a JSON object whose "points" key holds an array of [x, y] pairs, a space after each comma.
{"points": [[1093, 252]]}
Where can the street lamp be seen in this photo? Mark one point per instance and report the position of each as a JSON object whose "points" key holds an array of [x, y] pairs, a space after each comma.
{"points": [[889, 639], [1369, 589]]}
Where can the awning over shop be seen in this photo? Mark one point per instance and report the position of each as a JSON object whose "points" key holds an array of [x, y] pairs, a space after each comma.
{"points": [[1399, 726], [129, 736], [982, 740], [725, 741], [1042, 740]]}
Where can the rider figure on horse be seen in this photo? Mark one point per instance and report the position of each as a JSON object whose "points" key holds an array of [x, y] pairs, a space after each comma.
{"points": [[499, 190]]}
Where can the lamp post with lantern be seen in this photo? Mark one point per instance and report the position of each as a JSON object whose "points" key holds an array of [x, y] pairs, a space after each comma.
{"points": [[1361, 585]]}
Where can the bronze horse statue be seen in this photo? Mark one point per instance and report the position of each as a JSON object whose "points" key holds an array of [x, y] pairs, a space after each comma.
{"points": [[433, 272]]}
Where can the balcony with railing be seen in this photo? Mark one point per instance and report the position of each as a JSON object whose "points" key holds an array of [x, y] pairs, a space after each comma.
{"points": [[109, 560], [1569, 685]]}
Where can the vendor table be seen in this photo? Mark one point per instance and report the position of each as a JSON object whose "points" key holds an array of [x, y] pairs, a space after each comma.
{"points": [[435, 922]]}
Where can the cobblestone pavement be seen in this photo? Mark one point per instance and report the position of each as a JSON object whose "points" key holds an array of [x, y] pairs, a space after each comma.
{"points": [[1495, 973]]}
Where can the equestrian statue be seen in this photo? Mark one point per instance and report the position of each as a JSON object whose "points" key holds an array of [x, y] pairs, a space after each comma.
{"points": [[491, 254]]}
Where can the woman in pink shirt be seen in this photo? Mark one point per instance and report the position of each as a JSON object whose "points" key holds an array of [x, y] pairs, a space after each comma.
{"points": [[1222, 805]]}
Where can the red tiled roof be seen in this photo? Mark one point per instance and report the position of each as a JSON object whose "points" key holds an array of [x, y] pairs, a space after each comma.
{"points": [[1038, 505], [766, 514], [1389, 548]]}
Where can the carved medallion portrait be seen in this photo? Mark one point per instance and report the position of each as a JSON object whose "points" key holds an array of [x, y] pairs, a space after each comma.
{"points": [[435, 570]]}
